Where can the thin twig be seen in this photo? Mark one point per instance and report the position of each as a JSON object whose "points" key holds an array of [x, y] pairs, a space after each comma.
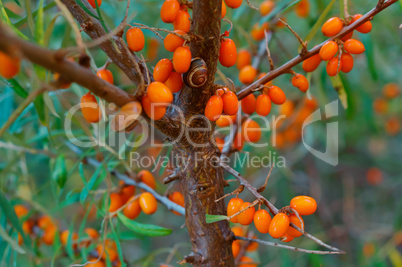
{"points": [[251, 6], [262, 188], [304, 44], [271, 62], [255, 202], [237, 191], [155, 30]]}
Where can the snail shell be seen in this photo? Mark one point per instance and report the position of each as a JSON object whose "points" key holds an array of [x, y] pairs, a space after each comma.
{"points": [[197, 74]]}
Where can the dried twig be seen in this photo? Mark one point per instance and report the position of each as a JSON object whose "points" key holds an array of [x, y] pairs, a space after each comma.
{"points": [[262, 188], [271, 62], [235, 192], [304, 44], [155, 30], [251, 6]]}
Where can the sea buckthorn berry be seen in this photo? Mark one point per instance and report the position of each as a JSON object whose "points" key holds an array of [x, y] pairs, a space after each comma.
{"points": [[127, 191], [287, 238], [328, 50], [182, 21], [392, 126], [20, 210], [332, 27], [115, 202], [287, 108], [237, 230], [182, 59], [292, 231], [251, 131], [238, 141], [277, 95], [333, 66], [159, 93], [92, 233], [169, 11], [279, 23], [234, 207], [266, 7], [230, 103], [279, 225], [135, 39], [304, 205], [301, 82], [61, 83], [65, 235], [302, 8], [227, 53], [90, 108], [354, 46], [172, 41], [153, 47], [312, 63], [365, 27], [253, 245], [162, 70], [247, 74], [380, 106], [233, 3], [262, 219], [214, 108], [174, 82], [236, 248], [391, 90], [108, 252], [154, 111], [247, 216], [49, 234], [223, 9], [226, 120], [243, 59], [220, 143], [9, 66], [346, 62], [148, 203], [258, 31], [105, 75], [177, 198], [347, 36], [263, 105], [147, 178], [93, 3], [374, 176], [133, 209], [248, 104], [246, 262]]}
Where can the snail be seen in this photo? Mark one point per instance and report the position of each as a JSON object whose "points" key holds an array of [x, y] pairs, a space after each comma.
{"points": [[197, 74]]}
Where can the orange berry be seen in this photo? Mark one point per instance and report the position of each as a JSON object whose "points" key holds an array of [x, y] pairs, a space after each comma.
{"points": [[20, 210], [304, 205], [220, 143], [279, 225], [109, 251], [90, 108], [354, 46], [258, 31], [262, 219], [233, 3], [105, 75], [246, 262], [182, 59], [223, 9], [279, 23], [248, 104], [266, 7], [380, 106], [236, 248], [302, 8], [169, 11], [92, 233], [127, 192], [263, 105], [62, 84], [374, 176], [227, 53], [328, 50], [159, 93], [44, 222], [148, 203], [277, 95], [174, 82], [346, 62], [65, 235], [115, 202], [334, 66], [135, 39], [234, 207], [133, 209], [93, 3], [301, 82], [163, 69], [287, 108], [152, 52], [247, 216], [49, 235], [172, 41], [147, 178], [243, 59], [332, 27], [230, 103], [292, 231], [365, 27], [182, 21], [154, 111], [253, 245], [368, 249], [392, 126], [238, 141], [312, 63], [287, 238], [214, 108], [391, 90], [347, 36], [177, 198], [247, 74], [251, 131], [226, 120], [237, 230]]}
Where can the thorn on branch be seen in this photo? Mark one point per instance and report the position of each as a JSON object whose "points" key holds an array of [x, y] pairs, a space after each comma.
{"points": [[262, 188], [173, 177], [271, 62], [304, 44], [251, 5], [235, 192]]}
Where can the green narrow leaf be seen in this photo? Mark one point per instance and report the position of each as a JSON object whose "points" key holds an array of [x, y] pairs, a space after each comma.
{"points": [[79, 2], [49, 30], [318, 23], [215, 218], [69, 245], [143, 229], [18, 89], [14, 245], [24, 20], [4, 17], [39, 31], [93, 183], [60, 171], [117, 242], [368, 44], [350, 112], [340, 89], [40, 108], [49, 103], [31, 23]]}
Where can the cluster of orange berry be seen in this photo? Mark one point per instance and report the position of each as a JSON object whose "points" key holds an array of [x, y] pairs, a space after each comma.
{"points": [[338, 52], [45, 229], [279, 226], [237, 244], [390, 91]]}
